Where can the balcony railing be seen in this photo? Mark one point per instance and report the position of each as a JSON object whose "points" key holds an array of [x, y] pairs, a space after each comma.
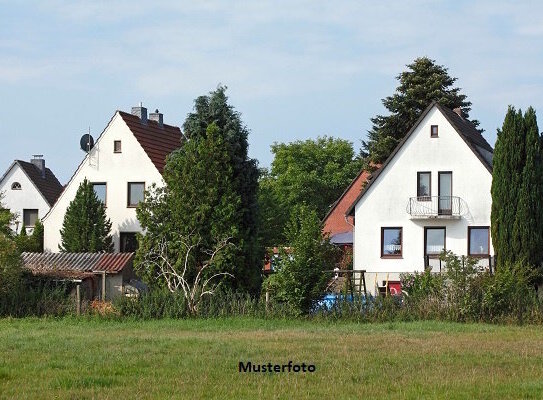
{"points": [[423, 207]]}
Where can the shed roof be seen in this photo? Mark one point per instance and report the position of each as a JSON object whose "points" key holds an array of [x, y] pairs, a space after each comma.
{"points": [[75, 265]]}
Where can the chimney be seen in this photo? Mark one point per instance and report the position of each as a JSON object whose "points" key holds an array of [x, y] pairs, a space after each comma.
{"points": [[458, 111], [140, 112], [157, 116], [39, 162]]}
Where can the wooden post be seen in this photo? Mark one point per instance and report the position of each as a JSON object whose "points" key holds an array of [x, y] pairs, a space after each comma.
{"points": [[78, 300], [363, 272], [103, 286]]}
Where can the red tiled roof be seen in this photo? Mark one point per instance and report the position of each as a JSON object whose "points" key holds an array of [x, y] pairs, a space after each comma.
{"points": [[157, 141], [75, 265], [335, 221], [49, 186]]}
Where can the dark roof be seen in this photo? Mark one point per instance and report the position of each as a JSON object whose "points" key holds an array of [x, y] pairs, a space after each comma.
{"points": [[342, 238], [75, 265], [467, 131], [49, 186], [157, 141]]}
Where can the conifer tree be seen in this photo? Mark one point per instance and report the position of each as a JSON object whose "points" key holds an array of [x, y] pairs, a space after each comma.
{"points": [[422, 83], [215, 109], [198, 204], [86, 227], [517, 190]]}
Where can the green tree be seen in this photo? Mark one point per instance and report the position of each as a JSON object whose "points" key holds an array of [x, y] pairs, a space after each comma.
{"points": [[86, 227], [32, 243], [300, 279], [215, 109], [517, 190], [422, 83], [197, 209], [10, 262], [6, 218], [311, 172]]}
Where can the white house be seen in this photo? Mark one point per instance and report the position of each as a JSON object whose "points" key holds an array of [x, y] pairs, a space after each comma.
{"points": [[432, 193], [127, 158], [29, 189]]}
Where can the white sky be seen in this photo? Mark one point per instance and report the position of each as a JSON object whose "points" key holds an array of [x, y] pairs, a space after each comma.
{"points": [[295, 70]]}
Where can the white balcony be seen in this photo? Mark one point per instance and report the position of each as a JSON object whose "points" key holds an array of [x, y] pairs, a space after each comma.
{"points": [[442, 207]]}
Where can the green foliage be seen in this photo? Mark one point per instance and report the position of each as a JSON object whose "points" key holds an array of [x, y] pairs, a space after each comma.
{"points": [[510, 295], [86, 227], [422, 83], [6, 218], [10, 266], [517, 190], [36, 297], [422, 284], [32, 243], [310, 172], [214, 109], [197, 209], [300, 279]]}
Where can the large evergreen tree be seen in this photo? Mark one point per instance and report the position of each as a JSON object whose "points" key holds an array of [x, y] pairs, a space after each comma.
{"points": [[86, 227], [422, 83], [517, 190], [198, 205], [215, 109]]}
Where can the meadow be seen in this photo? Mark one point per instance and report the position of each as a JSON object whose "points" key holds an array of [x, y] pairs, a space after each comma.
{"points": [[90, 358]]}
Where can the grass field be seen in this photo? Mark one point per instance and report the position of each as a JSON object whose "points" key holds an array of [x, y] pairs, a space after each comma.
{"points": [[197, 359]]}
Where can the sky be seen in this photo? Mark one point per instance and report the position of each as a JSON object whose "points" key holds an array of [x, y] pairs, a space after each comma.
{"points": [[294, 69]]}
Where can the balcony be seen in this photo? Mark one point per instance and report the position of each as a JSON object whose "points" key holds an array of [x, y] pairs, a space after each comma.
{"points": [[442, 207]]}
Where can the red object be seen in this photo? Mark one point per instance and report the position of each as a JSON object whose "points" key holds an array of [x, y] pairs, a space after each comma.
{"points": [[157, 141], [395, 288]]}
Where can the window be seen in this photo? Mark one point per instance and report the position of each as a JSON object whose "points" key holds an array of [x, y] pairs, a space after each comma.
{"points": [[135, 193], [129, 242], [434, 241], [15, 186], [424, 186], [100, 189], [30, 217], [117, 146], [478, 241], [391, 242], [433, 131]]}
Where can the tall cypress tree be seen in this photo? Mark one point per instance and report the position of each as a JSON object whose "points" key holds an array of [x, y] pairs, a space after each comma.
{"points": [[86, 227], [422, 83], [517, 190], [528, 229]]}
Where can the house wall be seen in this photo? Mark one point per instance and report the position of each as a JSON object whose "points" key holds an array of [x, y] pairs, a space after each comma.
{"points": [[102, 165], [384, 204], [28, 197]]}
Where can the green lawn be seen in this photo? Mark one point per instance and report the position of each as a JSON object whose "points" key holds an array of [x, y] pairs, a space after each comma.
{"points": [[71, 358]]}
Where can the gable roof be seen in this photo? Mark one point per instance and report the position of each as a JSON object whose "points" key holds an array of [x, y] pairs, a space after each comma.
{"points": [[467, 131], [155, 140], [49, 186]]}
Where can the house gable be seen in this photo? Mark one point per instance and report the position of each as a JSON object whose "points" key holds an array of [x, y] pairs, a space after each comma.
{"points": [[136, 160], [465, 130]]}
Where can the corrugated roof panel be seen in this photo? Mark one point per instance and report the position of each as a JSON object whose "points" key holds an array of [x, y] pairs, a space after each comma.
{"points": [[52, 263]]}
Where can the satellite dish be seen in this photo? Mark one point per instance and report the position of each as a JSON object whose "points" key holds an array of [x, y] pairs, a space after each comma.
{"points": [[86, 142]]}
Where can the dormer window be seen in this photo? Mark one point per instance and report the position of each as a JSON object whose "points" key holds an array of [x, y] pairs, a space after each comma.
{"points": [[434, 131], [117, 146], [15, 186]]}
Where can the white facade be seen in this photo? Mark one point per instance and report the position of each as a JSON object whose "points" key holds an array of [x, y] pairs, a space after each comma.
{"points": [[28, 197], [385, 204], [116, 170]]}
